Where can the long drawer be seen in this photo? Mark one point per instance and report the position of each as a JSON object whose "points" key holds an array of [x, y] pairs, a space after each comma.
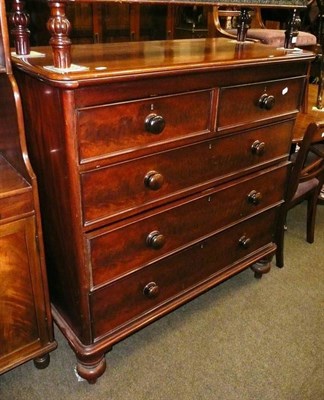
{"points": [[136, 294], [116, 251], [123, 189], [127, 127], [244, 104]]}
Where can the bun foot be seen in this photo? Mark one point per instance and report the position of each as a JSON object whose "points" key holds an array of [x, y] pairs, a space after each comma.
{"points": [[42, 362], [91, 371], [260, 268]]}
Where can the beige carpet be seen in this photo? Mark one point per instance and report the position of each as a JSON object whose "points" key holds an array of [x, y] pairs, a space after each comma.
{"points": [[246, 339]]}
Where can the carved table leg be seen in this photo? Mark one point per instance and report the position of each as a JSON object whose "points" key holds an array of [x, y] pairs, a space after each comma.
{"points": [[91, 368], [59, 27], [42, 362], [243, 24], [261, 267], [19, 19]]}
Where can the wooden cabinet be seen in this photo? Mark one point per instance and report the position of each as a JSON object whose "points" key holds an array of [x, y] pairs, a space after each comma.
{"points": [[162, 166], [26, 330]]}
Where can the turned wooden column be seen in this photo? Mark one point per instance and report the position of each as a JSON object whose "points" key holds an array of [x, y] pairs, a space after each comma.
{"points": [[19, 19], [243, 24], [292, 30], [59, 27]]}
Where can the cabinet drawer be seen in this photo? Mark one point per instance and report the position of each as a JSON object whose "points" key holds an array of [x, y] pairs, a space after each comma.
{"points": [[22, 204], [249, 103], [124, 300], [131, 126], [129, 187], [118, 251]]}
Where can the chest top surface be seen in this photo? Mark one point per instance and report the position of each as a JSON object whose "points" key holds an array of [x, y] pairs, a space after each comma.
{"points": [[126, 61]]}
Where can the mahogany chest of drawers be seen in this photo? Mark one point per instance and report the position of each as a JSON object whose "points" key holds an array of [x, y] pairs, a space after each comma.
{"points": [[161, 166]]}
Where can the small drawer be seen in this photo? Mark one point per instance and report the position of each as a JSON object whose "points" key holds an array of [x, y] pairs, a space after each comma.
{"points": [[253, 103], [130, 187], [119, 250], [16, 195], [128, 127], [16, 205], [138, 295]]}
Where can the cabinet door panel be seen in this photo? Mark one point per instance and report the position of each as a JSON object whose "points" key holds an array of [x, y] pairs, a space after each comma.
{"points": [[21, 306]]}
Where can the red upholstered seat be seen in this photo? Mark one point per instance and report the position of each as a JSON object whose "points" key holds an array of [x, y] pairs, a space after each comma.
{"points": [[276, 37], [225, 20]]}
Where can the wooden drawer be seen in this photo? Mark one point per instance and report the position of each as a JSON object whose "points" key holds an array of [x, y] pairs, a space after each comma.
{"points": [[124, 301], [246, 104], [119, 250], [16, 195], [16, 205], [126, 188], [108, 130]]}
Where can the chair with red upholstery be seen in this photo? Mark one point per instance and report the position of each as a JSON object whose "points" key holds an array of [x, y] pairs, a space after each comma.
{"points": [[226, 21], [304, 183]]}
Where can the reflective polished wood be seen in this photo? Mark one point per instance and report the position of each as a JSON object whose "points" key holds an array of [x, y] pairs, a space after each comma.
{"points": [[26, 331], [162, 166]]}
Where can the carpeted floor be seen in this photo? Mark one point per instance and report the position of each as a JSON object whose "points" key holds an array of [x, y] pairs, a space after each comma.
{"points": [[246, 339]]}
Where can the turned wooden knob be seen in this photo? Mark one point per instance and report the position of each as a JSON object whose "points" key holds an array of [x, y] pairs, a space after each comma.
{"points": [[266, 101], [258, 147], [254, 197], [153, 180], [151, 290], [245, 242], [154, 123], [155, 240]]}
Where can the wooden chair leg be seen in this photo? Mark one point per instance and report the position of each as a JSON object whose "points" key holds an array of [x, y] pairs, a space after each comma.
{"points": [[311, 215], [280, 234], [279, 255]]}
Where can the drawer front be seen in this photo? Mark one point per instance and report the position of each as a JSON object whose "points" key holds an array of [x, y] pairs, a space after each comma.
{"points": [[126, 188], [131, 126], [124, 300], [257, 102], [17, 205], [118, 251]]}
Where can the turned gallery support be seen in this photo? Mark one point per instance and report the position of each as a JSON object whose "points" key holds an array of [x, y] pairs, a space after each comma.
{"points": [[243, 24], [59, 27], [19, 20], [291, 33]]}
